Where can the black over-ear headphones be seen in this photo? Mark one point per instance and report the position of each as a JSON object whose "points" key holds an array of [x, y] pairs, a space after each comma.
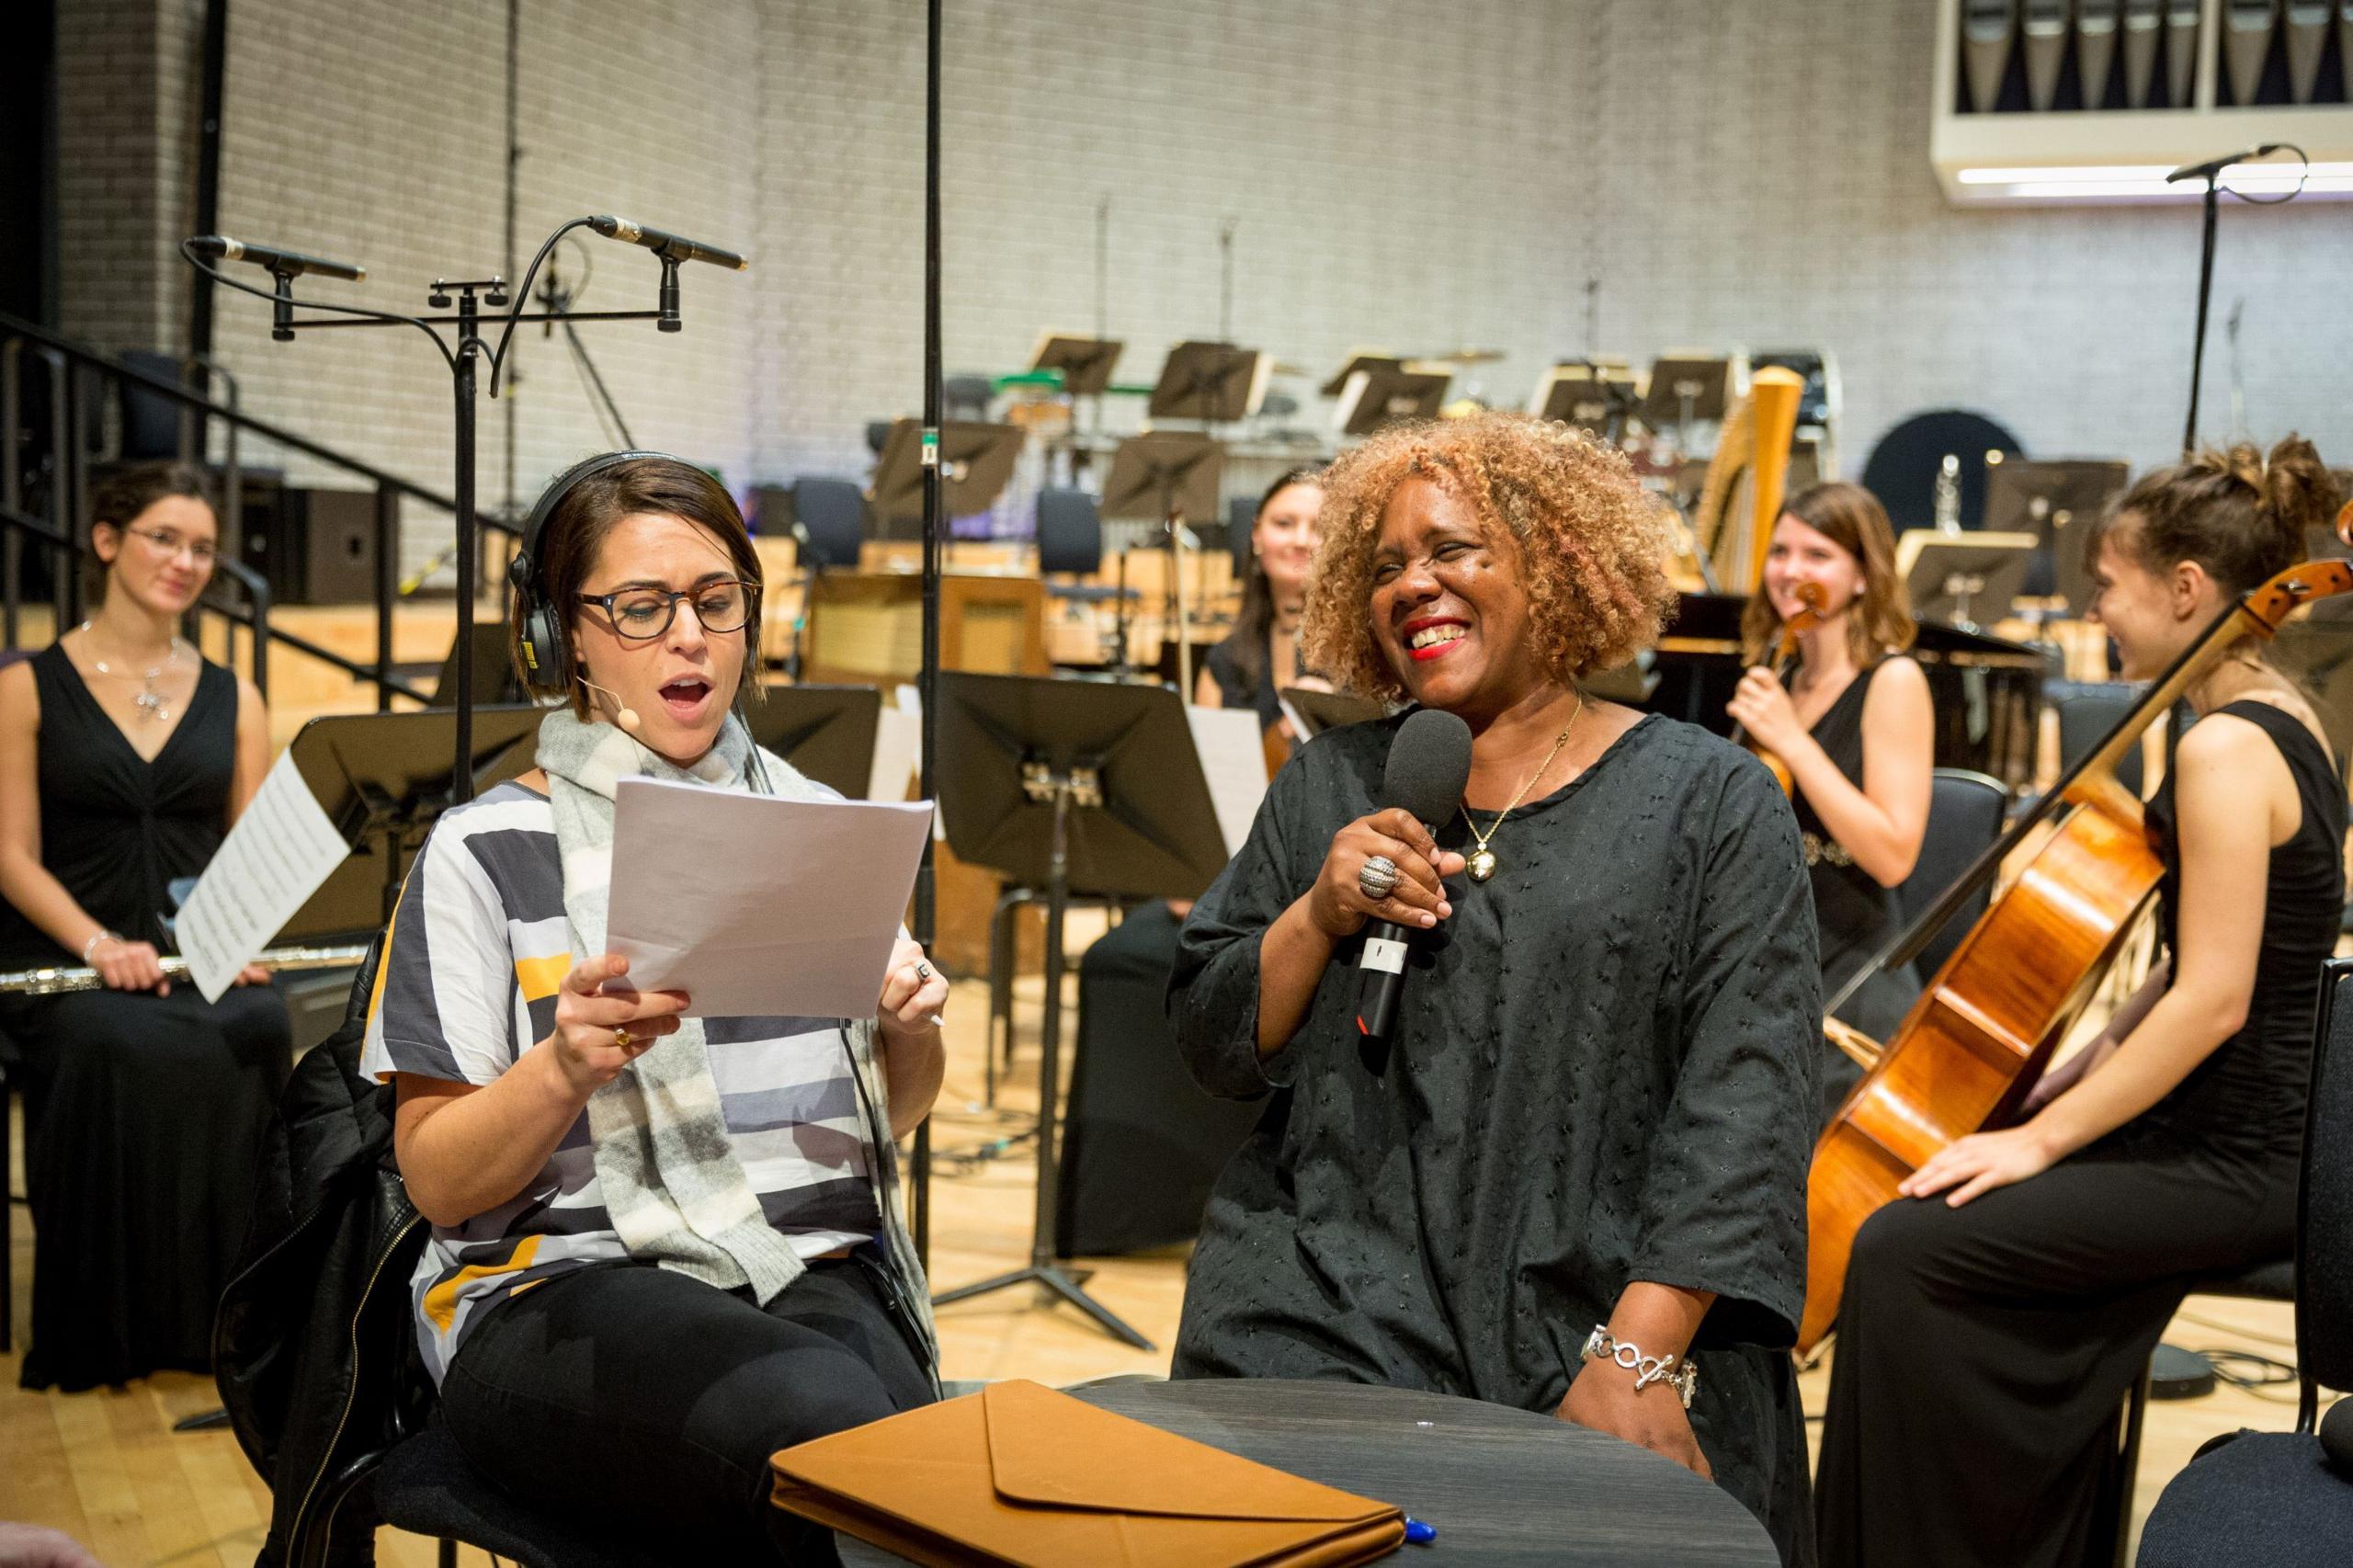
{"points": [[546, 643]]}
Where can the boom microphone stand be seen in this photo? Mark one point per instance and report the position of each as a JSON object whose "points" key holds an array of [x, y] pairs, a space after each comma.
{"points": [[465, 356], [2211, 173]]}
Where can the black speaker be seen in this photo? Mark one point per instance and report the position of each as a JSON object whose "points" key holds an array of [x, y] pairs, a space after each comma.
{"points": [[315, 547]]}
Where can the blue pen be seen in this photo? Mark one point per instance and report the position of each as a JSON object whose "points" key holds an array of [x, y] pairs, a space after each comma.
{"points": [[1418, 1533]]}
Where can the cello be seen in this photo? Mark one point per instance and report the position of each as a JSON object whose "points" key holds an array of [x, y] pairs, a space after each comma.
{"points": [[1785, 653], [1969, 1051]]}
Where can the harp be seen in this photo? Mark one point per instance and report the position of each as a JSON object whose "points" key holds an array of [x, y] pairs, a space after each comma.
{"points": [[1741, 497]]}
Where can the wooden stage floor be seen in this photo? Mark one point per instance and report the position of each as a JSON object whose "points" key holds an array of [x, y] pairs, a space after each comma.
{"points": [[105, 1468]]}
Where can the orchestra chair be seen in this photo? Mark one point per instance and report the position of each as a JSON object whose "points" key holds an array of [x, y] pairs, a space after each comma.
{"points": [[2280, 1498], [2087, 710], [1070, 543], [1965, 813], [829, 522]]}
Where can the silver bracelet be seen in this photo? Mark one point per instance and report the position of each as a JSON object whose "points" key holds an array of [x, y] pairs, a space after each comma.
{"points": [[91, 946], [1673, 1370]]}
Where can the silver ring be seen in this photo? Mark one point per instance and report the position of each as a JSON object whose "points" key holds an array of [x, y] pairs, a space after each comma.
{"points": [[1377, 878], [923, 970]]}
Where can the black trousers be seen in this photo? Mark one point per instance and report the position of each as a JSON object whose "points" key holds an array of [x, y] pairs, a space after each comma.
{"points": [[1984, 1352], [647, 1403]]}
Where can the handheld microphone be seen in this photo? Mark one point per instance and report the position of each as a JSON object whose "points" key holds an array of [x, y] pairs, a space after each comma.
{"points": [[1429, 762], [623, 714], [293, 263], [2212, 167], [676, 247]]}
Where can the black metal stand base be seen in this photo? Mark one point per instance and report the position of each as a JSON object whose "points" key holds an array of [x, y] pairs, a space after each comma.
{"points": [[210, 1420], [1061, 1284]]}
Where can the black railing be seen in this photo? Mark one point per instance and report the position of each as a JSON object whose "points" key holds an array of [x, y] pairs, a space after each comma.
{"points": [[71, 367]]}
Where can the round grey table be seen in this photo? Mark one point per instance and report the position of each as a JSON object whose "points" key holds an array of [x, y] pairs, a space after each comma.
{"points": [[1502, 1485]]}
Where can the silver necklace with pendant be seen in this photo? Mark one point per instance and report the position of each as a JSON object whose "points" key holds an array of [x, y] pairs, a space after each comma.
{"points": [[153, 706], [1481, 862]]}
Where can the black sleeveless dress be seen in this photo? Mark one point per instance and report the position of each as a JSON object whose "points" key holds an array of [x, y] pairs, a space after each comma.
{"points": [[1984, 1352], [143, 1114], [1855, 916]]}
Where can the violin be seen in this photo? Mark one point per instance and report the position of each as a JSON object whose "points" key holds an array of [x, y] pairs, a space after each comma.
{"points": [[1785, 653], [1968, 1055]]}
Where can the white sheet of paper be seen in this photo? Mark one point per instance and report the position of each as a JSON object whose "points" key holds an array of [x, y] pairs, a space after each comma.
{"points": [[281, 850], [898, 737], [1234, 760], [758, 907]]}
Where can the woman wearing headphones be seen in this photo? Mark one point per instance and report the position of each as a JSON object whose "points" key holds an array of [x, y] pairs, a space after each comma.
{"points": [[663, 1247]]}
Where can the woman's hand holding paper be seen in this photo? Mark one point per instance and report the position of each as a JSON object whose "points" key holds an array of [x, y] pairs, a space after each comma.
{"points": [[601, 1025]]}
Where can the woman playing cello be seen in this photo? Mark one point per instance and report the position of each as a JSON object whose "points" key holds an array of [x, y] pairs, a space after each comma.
{"points": [[1993, 1323]]}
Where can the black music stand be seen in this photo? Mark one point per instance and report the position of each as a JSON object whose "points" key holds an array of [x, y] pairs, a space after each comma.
{"points": [[1684, 388], [496, 684], [1376, 397], [1052, 783], [1085, 362], [2050, 500], [1950, 577], [1322, 711], [1360, 359], [975, 465], [1215, 383], [1165, 476], [825, 732], [1587, 397]]}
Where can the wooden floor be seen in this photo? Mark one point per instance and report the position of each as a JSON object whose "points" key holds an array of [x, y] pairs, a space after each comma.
{"points": [[105, 1468]]}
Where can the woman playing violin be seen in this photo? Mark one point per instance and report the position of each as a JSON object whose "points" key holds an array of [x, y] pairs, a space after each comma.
{"points": [[1853, 727], [1992, 1325]]}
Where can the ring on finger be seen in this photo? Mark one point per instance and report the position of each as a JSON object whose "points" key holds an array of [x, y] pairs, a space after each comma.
{"points": [[1377, 878], [923, 970], [622, 1038]]}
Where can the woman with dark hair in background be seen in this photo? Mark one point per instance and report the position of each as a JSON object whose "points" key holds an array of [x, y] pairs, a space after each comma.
{"points": [[1856, 732], [1261, 654], [1997, 1315], [124, 757]]}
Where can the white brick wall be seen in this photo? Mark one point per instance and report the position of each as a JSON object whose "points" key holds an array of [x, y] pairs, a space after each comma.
{"points": [[1421, 174]]}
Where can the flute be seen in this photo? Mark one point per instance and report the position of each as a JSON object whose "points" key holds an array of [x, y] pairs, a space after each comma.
{"points": [[82, 977]]}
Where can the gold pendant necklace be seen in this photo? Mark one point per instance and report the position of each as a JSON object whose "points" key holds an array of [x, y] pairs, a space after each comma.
{"points": [[1482, 862]]}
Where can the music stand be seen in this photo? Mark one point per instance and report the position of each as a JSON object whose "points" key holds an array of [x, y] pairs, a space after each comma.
{"points": [[1166, 476], [825, 732], [494, 667], [1050, 782], [1944, 574], [975, 465], [1586, 397], [1215, 383], [2051, 500], [1377, 397], [1085, 362], [1360, 359], [382, 779], [1684, 388], [1322, 711]]}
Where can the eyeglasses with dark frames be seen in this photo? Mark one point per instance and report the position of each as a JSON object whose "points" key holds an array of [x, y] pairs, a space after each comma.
{"points": [[641, 614]]}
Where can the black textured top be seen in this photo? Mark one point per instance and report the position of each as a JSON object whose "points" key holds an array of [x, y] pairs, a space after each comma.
{"points": [[2247, 1098], [1856, 914], [1234, 690], [115, 828], [1603, 1071]]}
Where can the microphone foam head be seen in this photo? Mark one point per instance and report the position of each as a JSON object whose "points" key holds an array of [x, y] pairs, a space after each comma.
{"points": [[1429, 762], [627, 719]]}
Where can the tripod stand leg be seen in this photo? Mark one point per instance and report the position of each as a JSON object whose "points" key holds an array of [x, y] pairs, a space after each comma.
{"points": [[1107, 1320]]}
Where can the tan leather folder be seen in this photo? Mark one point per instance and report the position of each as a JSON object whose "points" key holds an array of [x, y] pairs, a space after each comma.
{"points": [[1018, 1473]]}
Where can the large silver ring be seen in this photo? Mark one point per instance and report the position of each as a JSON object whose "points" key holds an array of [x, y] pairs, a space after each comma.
{"points": [[923, 970], [1377, 878]]}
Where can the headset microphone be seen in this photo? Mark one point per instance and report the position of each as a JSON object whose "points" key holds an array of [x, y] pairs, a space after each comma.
{"points": [[623, 714]]}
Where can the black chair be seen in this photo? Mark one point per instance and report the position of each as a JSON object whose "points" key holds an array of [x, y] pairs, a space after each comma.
{"points": [[1965, 812], [2087, 710], [828, 521], [1070, 541], [2275, 1497], [1903, 468]]}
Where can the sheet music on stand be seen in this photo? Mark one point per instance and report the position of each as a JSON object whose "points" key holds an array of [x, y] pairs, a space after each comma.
{"points": [[1215, 383], [1955, 578], [976, 463], [1085, 362], [1376, 397], [1361, 359]]}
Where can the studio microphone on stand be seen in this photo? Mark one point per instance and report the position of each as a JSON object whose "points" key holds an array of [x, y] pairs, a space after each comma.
{"points": [[293, 263], [2212, 167], [673, 247], [1429, 762]]}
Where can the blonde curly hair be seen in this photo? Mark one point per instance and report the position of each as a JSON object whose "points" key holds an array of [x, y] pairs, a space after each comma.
{"points": [[1592, 553]]}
